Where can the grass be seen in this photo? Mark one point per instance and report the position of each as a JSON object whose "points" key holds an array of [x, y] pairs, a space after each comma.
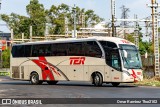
{"points": [[4, 73], [149, 82]]}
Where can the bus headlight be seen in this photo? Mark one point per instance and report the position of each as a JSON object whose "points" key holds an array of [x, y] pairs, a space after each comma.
{"points": [[126, 72]]}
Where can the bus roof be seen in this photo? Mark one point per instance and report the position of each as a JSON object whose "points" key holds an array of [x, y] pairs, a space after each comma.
{"points": [[65, 40]]}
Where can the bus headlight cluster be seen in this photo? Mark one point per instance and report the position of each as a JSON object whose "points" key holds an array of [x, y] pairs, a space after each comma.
{"points": [[126, 72]]}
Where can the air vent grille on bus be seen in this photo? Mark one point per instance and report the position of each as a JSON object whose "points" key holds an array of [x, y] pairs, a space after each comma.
{"points": [[22, 72], [15, 72]]}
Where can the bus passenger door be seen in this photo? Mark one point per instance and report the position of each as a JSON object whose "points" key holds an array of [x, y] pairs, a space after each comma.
{"points": [[115, 68]]}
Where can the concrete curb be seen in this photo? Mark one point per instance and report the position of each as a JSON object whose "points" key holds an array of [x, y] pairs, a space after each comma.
{"points": [[4, 78]]}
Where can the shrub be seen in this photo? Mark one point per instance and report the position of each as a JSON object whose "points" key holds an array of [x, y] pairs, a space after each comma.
{"points": [[6, 58]]}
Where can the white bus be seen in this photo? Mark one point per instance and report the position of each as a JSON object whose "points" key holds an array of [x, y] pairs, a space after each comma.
{"points": [[96, 59]]}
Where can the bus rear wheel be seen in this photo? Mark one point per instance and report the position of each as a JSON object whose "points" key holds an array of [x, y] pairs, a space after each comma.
{"points": [[35, 79], [97, 79], [115, 84], [52, 82]]}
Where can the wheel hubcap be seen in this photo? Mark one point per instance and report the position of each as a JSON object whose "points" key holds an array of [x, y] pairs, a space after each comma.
{"points": [[96, 79], [34, 78]]}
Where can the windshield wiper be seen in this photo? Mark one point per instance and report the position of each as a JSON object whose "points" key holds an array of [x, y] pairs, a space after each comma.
{"points": [[138, 67]]}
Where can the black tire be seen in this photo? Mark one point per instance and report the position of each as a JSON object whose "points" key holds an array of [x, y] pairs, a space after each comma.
{"points": [[35, 79], [52, 82], [97, 79], [115, 84]]}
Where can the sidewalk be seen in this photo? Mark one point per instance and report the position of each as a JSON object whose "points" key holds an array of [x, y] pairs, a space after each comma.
{"points": [[4, 78]]}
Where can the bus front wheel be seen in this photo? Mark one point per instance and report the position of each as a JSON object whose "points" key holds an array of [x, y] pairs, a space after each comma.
{"points": [[97, 79], [115, 84], [35, 79]]}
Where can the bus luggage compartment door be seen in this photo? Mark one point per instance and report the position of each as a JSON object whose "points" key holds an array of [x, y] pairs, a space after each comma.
{"points": [[75, 72]]}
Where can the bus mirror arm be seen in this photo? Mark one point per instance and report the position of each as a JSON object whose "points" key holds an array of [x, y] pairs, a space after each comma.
{"points": [[125, 53]]}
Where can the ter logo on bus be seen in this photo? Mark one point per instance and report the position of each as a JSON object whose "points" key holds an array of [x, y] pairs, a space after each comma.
{"points": [[77, 60], [125, 41]]}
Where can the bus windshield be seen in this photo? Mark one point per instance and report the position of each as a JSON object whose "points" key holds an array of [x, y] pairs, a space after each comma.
{"points": [[132, 59]]}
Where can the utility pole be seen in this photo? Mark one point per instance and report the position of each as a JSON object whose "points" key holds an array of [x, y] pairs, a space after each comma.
{"points": [[75, 35], [124, 16], [83, 20], [22, 37], [66, 26], [30, 33], [152, 2], [47, 31], [147, 24], [154, 6], [113, 16], [12, 36], [136, 33], [83, 23]]}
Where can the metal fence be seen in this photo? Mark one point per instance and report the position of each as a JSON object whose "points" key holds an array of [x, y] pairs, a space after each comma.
{"points": [[148, 65]]}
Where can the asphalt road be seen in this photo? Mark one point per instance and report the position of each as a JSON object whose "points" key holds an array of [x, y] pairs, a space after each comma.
{"points": [[23, 89]]}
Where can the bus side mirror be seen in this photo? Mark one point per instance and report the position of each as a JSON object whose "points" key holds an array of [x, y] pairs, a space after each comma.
{"points": [[125, 53]]}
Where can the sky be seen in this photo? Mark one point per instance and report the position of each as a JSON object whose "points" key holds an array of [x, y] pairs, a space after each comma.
{"points": [[101, 7]]}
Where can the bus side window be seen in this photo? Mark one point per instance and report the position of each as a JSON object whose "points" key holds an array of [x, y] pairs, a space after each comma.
{"points": [[47, 52], [41, 52], [71, 49], [75, 49], [92, 49], [59, 49], [13, 51], [18, 51], [53, 50], [111, 45], [37, 50], [27, 51]]}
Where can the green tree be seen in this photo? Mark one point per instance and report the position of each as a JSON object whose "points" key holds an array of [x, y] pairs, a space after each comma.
{"points": [[37, 16], [21, 24], [16, 22], [91, 18], [57, 16], [144, 46], [6, 58], [130, 37]]}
